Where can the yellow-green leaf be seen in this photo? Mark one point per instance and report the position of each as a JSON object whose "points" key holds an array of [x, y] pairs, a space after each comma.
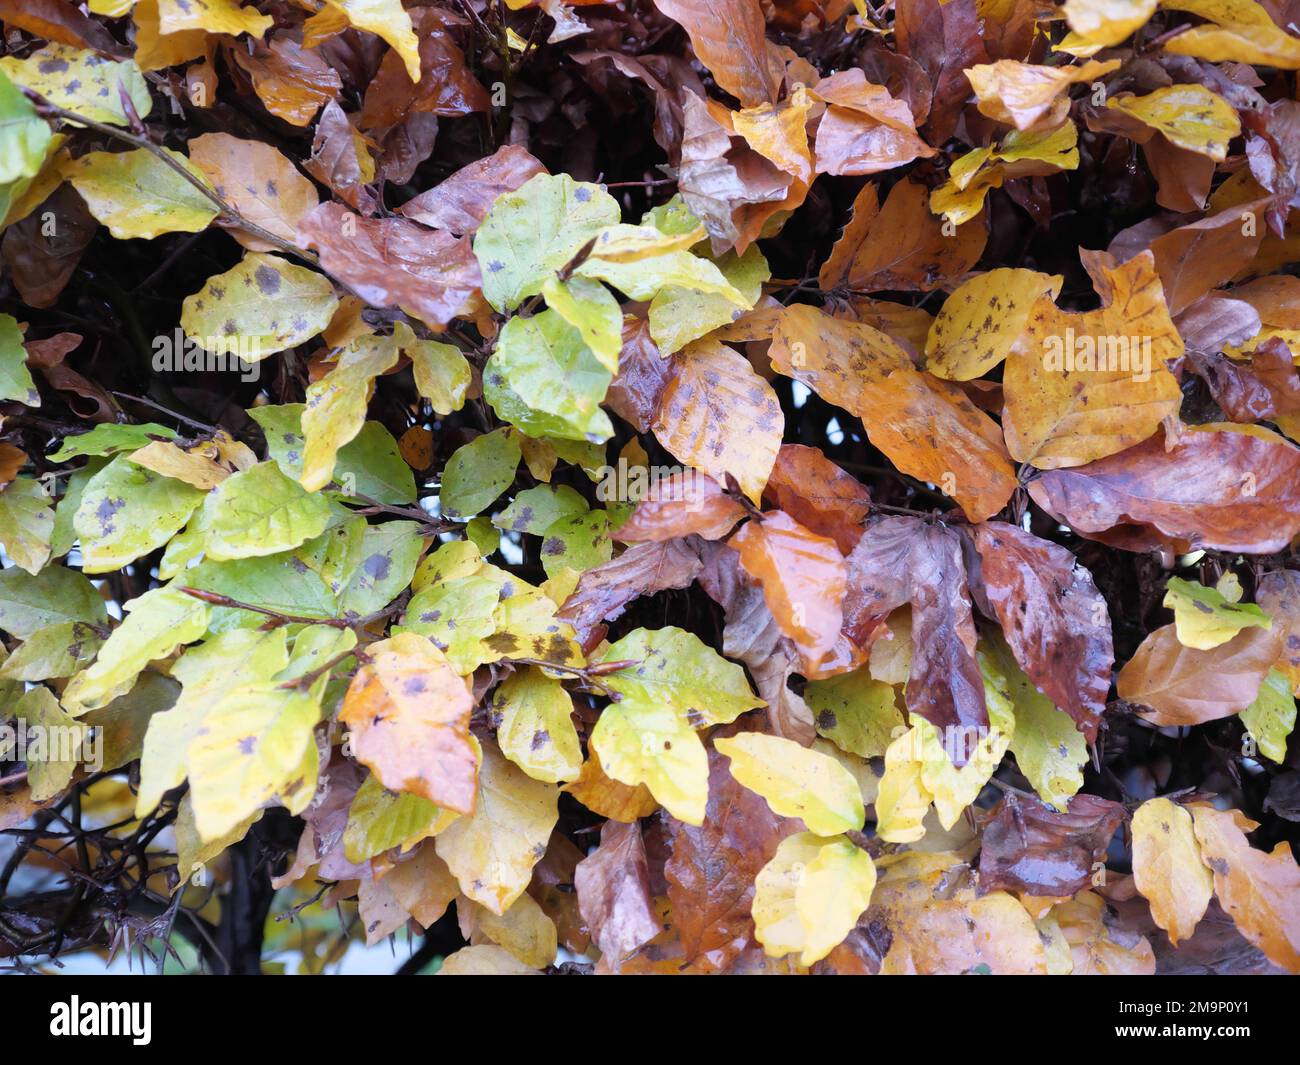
{"points": [[136, 194], [796, 781], [1205, 618]]}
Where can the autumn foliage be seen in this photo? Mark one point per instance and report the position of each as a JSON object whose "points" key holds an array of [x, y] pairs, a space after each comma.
{"points": [[661, 486]]}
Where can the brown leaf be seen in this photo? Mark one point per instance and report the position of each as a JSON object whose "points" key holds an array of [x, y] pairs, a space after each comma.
{"points": [[1027, 847], [408, 714], [339, 161], [643, 569], [1184, 686], [729, 37], [461, 202], [1055, 620], [57, 20], [945, 39], [643, 374], [901, 246], [613, 886], [803, 580], [712, 868], [446, 87], [1231, 491], [1259, 890], [905, 560], [1258, 389], [392, 262], [819, 495], [42, 250], [1278, 594], [682, 504]]}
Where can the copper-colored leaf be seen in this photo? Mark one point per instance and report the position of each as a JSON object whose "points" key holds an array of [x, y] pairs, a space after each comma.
{"points": [[1232, 491], [679, 505], [460, 203], [729, 38], [408, 712], [1184, 686], [391, 262], [819, 495]]}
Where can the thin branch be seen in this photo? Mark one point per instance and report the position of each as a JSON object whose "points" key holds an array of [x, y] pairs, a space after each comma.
{"points": [[49, 110]]}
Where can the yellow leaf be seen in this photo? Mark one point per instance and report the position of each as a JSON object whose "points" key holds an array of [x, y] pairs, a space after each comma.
{"points": [[1270, 719], [492, 852], [1167, 867], [644, 742], [796, 781], [155, 48], [1108, 22], [1032, 153], [1189, 116], [902, 801], [533, 716], [214, 16], [136, 194], [1081, 386], [1028, 96], [485, 960], [1204, 618], [1244, 33], [336, 405], [81, 81], [389, 20], [192, 466], [524, 929], [982, 319], [810, 895]]}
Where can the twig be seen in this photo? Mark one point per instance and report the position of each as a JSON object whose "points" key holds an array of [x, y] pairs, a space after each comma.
{"points": [[49, 110]]}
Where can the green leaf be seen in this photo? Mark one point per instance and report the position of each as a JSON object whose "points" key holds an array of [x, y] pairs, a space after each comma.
{"points": [[256, 745], [1269, 719], [82, 81], [483, 534], [543, 378], [127, 511], [155, 624], [457, 614], [260, 511], [535, 509], [478, 473], [29, 603], [379, 820], [110, 437], [680, 315], [262, 305], [26, 523], [533, 714], [1050, 750], [23, 135], [531, 233], [1205, 618], [335, 554], [370, 463], [54, 744], [442, 373], [675, 668], [578, 542], [136, 194], [58, 650], [389, 555], [336, 405], [269, 581], [15, 379], [796, 781], [593, 311], [64, 535], [856, 713]]}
